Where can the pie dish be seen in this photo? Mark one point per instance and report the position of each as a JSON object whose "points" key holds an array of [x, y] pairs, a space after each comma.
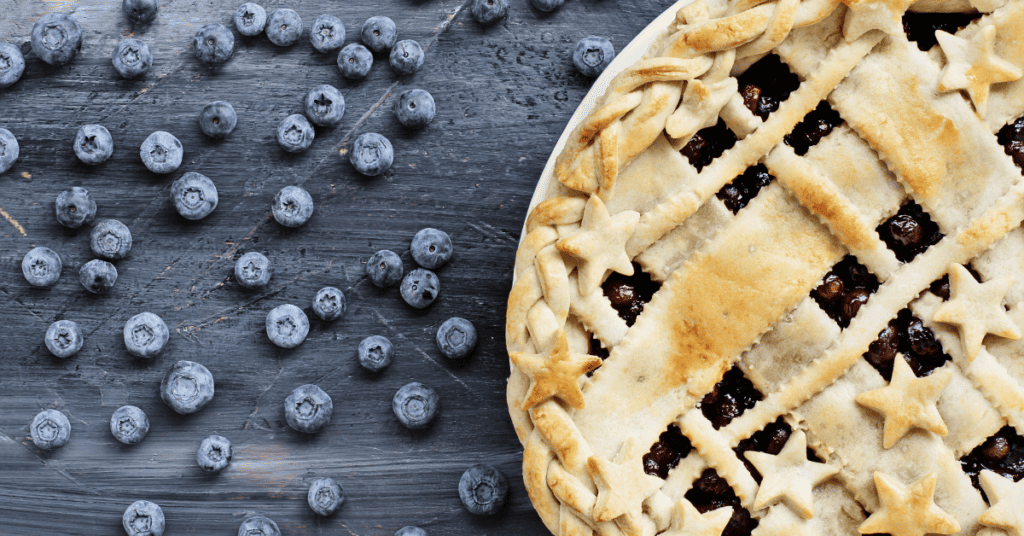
{"points": [[776, 287]]}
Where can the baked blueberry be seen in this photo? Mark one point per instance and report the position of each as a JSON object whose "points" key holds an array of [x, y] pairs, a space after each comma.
{"points": [[252, 270], [410, 531], [292, 206], [327, 33], [161, 152], [308, 409], [41, 267], [420, 288], [194, 196], [371, 154], [415, 405], [9, 149], [75, 207], [143, 518], [547, 6], [284, 27], [140, 11], [295, 134], [325, 496], [592, 54], [379, 34], [97, 276], [214, 453], [250, 19], [355, 61], [145, 335], [431, 248], [483, 489], [406, 57], [12, 64], [384, 268], [488, 12], [213, 44], [64, 338], [259, 526], [456, 338], [110, 239], [93, 144], [287, 326], [56, 38], [218, 119], [50, 429], [129, 425], [414, 108], [187, 387], [325, 106], [375, 353], [131, 58], [329, 303]]}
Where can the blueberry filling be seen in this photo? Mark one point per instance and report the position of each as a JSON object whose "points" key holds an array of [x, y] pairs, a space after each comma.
{"points": [[770, 440], [921, 27], [708, 144], [844, 290], [738, 193], [818, 124], [940, 287], [766, 84], [711, 492], [906, 334], [909, 232], [629, 294], [665, 454], [1002, 453], [1011, 137], [729, 399]]}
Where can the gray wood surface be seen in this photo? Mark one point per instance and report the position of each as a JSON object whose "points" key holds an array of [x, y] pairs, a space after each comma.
{"points": [[503, 96]]}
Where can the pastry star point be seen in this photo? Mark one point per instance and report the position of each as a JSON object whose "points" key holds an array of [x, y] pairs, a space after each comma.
{"points": [[908, 511], [866, 15], [688, 521], [908, 401], [600, 243], [976, 309], [554, 374], [789, 476], [622, 487], [972, 64], [1007, 500]]}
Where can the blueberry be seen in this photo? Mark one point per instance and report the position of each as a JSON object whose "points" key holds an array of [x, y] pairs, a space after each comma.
{"points": [[415, 405], [64, 338], [187, 387], [110, 239], [252, 270], [325, 106], [592, 55], [145, 335], [41, 267], [75, 207], [420, 288], [131, 58], [214, 453], [284, 27], [308, 409], [93, 144], [295, 134], [8, 149], [97, 276], [456, 338], [292, 206], [50, 429], [488, 12], [259, 526], [56, 38], [547, 6], [384, 268], [250, 19], [410, 531], [129, 425], [287, 326], [327, 33], [329, 303], [431, 248], [143, 518], [325, 496], [213, 44], [161, 152], [194, 196], [371, 154], [12, 64], [218, 119], [355, 61], [406, 57], [379, 33], [414, 108], [140, 11], [483, 489], [375, 353]]}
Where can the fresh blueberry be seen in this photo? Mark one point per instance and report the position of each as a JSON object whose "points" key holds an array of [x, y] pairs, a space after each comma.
{"points": [[111, 240], [375, 353], [194, 196], [295, 134], [284, 27], [406, 57], [384, 268], [329, 304], [214, 453], [483, 489], [325, 496], [431, 248], [287, 326], [410, 531], [56, 38], [259, 526], [355, 61], [415, 405], [488, 12], [41, 267], [218, 119], [379, 33], [371, 154], [93, 144], [145, 335], [292, 206], [8, 149], [592, 55], [129, 425], [131, 58], [50, 429], [143, 518], [308, 409], [327, 33], [414, 108], [97, 276], [456, 338], [252, 270], [420, 288], [140, 11], [64, 338], [250, 19], [161, 152], [12, 64], [325, 106], [213, 44], [547, 6], [75, 207], [187, 387]]}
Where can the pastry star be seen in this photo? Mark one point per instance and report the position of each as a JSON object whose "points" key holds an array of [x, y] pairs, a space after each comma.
{"points": [[973, 65], [781, 521], [866, 15], [600, 243], [1007, 500], [977, 309], [908, 511], [555, 373], [907, 401], [622, 488], [789, 476], [687, 521]]}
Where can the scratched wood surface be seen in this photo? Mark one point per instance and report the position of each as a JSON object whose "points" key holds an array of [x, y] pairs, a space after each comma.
{"points": [[503, 97]]}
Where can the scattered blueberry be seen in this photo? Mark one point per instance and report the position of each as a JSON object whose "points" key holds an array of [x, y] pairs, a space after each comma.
{"points": [[327, 33], [284, 27], [64, 338], [187, 387], [375, 353], [308, 409], [325, 496], [143, 518], [415, 405], [110, 239], [325, 106], [420, 288], [329, 303], [259, 526], [93, 144], [406, 57], [592, 55], [50, 429], [213, 44], [41, 267], [488, 12], [145, 335], [355, 61], [295, 134], [131, 58], [218, 119], [371, 154], [214, 453], [431, 248], [287, 326], [129, 425], [483, 489], [414, 108], [456, 338], [379, 33], [161, 152], [194, 196], [384, 268], [292, 206], [12, 64], [8, 149], [252, 270], [250, 19], [97, 276], [56, 38], [140, 11], [410, 531], [547, 6]]}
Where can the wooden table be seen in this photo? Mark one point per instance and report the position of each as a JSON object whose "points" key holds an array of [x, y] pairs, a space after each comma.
{"points": [[503, 97]]}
